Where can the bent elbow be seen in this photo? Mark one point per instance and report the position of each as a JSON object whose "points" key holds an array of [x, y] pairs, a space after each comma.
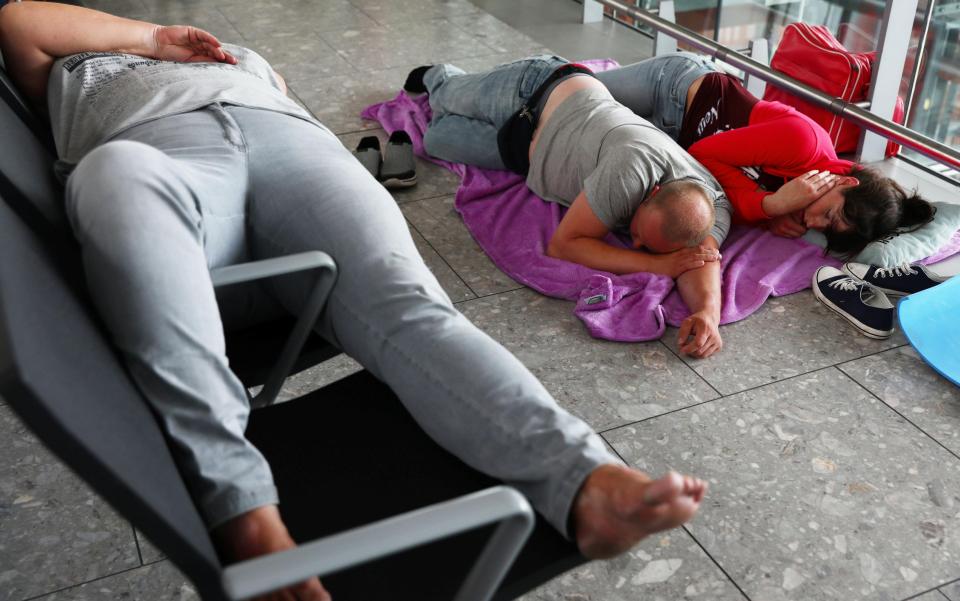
{"points": [[555, 248]]}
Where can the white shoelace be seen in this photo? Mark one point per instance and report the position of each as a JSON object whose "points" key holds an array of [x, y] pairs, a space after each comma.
{"points": [[899, 270], [847, 284], [867, 290]]}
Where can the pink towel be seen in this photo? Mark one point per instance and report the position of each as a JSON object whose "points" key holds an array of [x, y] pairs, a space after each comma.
{"points": [[513, 226]]}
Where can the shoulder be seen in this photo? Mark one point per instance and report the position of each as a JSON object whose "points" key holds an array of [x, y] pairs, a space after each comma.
{"points": [[792, 126]]}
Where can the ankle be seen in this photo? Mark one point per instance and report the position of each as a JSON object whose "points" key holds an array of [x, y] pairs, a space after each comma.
{"points": [[255, 532]]}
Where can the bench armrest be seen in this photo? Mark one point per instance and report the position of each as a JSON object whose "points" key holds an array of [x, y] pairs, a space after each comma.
{"points": [[314, 260], [386, 537], [268, 268]]}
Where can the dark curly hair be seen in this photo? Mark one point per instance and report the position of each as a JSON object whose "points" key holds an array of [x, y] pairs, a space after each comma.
{"points": [[876, 208]]}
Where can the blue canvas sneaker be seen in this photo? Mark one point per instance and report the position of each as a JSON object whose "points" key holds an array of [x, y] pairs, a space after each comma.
{"points": [[860, 303], [895, 281]]}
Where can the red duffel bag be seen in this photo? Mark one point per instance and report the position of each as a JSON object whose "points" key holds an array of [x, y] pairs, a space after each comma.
{"points": [[810, 54]]}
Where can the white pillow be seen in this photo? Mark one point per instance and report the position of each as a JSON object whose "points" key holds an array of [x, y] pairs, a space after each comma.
{"points": [[906, 246]]}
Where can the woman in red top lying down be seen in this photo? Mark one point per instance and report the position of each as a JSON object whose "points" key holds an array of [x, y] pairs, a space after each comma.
{"points": [[777, 166]]}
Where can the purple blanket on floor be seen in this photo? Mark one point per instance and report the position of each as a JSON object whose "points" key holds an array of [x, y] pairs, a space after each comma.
{"points": [[513, 226]]}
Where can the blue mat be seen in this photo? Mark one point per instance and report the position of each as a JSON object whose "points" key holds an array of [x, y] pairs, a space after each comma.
{"points": [[931, 321]]}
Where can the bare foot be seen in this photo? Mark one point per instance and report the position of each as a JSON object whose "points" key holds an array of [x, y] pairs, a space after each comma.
{"points": [[618, 506], [259, 532]]}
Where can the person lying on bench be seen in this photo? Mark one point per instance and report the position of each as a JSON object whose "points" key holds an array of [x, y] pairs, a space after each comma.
{"points": [[187, 155], [551, 121], [777, 165]]}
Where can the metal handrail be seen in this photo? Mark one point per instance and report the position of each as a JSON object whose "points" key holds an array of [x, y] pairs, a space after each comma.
{"points": [[888, 129]]}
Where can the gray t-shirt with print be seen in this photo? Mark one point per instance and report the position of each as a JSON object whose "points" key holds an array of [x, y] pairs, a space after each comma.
{"points": [[94, 96], [595, 144]]}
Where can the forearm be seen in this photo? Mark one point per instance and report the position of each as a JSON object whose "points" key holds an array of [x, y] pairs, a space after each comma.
{"points": [[62, 29], [597, 254], [34, 34], [775, 206], [700, 288]]}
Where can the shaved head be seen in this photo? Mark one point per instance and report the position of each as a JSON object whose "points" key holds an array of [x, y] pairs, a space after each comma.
{"points": [[687, 211]]}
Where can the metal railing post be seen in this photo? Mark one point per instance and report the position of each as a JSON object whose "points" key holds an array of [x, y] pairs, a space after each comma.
{"points": [[895, 30], [665, 44], [592, 11], [760, 52]]}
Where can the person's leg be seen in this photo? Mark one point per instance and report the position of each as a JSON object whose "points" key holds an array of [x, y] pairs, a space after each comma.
{"points": [[463, 140], [469, 108], [388, 311], [656, 88], [150, 225]]}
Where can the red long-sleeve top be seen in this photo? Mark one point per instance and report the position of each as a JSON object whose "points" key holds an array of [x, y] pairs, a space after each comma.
{"points": [[779, 141]]}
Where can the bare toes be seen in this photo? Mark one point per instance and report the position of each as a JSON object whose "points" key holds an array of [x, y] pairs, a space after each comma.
{"points": [[664, 489]]}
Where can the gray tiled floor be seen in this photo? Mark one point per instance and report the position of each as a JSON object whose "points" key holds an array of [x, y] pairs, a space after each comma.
{"points": [[833, 459], [55, 531], [951, 591]]}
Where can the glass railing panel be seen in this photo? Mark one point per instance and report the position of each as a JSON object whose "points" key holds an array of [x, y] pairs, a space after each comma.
{"points": [[935, 106]]}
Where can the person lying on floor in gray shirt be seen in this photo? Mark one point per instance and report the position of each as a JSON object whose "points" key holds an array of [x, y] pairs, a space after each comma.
{"points": [[553, 122]]}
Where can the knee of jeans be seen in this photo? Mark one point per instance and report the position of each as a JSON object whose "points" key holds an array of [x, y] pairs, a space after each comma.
{"points": [[435, 145], [396, 282], [116, 181]]}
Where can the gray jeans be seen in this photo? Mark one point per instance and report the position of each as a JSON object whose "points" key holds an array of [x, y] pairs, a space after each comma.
{"points": [[157, 207], [469, 108], [656, 88]]}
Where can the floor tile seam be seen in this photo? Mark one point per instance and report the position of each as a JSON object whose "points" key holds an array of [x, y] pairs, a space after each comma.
{"points": [[86, 582], [492, 294], [902, 416], [464, 29], [659, 415], [688, 366], [476, 295], [291, 91], [366, 14], [358, 131], [442, 258], [604, 434], [930, 590], [356, 69], [372, 131], [387, 27], [687, 530], [457, 56], [433, 197], [716, 563], [231, 22], [725, 396], [220, 8], [892, 348], [317, 36], [613, 448], [810, 371]]}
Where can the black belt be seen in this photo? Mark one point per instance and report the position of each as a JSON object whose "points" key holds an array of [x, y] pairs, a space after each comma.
{"points": [[514, 137]]}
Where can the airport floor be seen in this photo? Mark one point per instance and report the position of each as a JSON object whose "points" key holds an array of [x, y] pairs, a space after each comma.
{"points": [[833, 459]]}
